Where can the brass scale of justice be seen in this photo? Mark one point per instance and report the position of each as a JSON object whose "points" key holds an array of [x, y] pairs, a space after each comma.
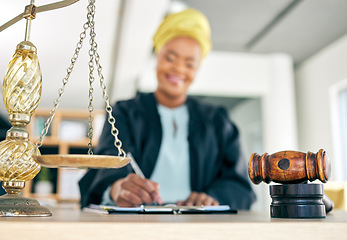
{"points": [[20, 160]]}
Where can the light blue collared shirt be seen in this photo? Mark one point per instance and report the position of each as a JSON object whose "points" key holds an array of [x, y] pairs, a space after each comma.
{"points": [[172, 170]]}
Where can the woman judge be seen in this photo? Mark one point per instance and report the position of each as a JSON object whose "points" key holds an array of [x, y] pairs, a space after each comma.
{"points": [[188, 151]]}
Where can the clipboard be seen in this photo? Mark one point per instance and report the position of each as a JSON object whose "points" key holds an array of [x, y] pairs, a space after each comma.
{"points": [[162, 209]]}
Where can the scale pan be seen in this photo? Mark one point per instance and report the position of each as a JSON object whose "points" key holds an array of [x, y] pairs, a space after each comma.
{"points": [[81, 161]]}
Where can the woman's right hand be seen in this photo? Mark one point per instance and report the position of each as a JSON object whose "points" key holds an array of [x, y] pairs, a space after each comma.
{"points": [[134, 190]]}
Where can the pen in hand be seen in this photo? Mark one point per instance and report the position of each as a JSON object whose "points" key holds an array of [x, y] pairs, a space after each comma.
{"points": [[134, 165], [155, 195]]}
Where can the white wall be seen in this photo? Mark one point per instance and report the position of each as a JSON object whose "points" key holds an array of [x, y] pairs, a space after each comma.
{"points": [[314, 79]]}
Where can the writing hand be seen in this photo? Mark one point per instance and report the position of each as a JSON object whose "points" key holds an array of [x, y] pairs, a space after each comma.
{"points": [[198, 199], [134, 190]]}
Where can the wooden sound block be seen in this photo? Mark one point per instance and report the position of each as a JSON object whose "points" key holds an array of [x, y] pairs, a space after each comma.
{"points": [[297, 201]]}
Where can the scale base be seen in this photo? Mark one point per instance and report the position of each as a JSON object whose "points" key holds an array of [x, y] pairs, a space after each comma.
{"points": [[297, 201], [13, 205]]}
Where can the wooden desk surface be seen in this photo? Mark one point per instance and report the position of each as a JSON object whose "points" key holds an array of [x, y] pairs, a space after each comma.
{"points": [[71, 223]]}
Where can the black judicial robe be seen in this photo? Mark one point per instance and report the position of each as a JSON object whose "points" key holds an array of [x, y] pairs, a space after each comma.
{"points": [[216, 164]]}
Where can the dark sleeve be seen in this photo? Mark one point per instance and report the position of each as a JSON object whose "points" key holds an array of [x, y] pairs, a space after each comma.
{"points": [[95, 181], [4, 127], [232, 186]]}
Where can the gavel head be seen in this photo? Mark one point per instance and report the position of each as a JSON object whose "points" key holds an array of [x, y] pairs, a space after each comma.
{"points": [[289, 167]]}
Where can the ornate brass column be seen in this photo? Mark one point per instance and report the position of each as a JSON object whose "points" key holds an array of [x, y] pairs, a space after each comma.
{"points": [[22, 89]]}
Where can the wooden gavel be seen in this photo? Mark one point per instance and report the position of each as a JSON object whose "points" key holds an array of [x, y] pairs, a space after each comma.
{"points": [[289, 167]]}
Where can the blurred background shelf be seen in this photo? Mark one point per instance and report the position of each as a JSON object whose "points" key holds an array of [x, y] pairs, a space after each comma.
{"points": [[67, 135]]}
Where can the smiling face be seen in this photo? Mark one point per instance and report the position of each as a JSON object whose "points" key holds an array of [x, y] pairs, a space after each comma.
{"points": [[177, 64]]}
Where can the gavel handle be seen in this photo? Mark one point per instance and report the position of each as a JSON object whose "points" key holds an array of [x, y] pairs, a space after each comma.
{"points": [[329, 204]]}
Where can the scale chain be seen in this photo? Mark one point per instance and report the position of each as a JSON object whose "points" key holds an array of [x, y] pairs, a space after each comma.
{"points": [[91, 23], [111, 119], [61, 90], [93, 56]]}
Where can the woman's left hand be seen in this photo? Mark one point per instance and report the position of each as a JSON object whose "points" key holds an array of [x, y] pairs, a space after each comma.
{"points": [[198, 199]]}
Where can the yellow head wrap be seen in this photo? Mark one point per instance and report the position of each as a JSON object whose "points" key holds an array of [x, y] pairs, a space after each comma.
{"points": [[189, 22]]}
